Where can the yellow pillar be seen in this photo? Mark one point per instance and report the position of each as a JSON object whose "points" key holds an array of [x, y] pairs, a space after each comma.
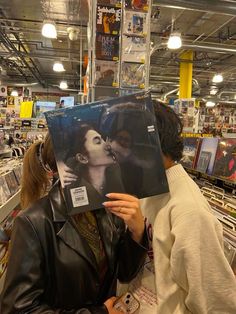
{"points": [[185, 75]]}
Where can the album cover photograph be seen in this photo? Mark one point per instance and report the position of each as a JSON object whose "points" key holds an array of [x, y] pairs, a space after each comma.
{"points": [[101, 145], [3, 101], [133, 49], [189, 152], [136, 4], [106, 73], [107, 47], [133, 75], [135, 23], [208, 145], [108, 20], [225, 162]]}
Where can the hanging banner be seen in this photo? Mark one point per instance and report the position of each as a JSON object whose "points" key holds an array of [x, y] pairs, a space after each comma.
{"points": [[26, 109]]}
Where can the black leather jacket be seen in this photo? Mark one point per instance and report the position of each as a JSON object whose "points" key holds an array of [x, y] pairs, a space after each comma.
{"points": [[51, 267]]}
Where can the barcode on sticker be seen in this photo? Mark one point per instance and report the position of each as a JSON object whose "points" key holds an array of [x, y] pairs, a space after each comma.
{"points": [[79, 196]]}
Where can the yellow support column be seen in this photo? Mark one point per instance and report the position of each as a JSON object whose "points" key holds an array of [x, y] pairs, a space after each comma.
{"points": [[185, 75]]}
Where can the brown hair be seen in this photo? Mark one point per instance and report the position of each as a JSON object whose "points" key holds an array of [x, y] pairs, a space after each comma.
{"points": [[35, 178]]}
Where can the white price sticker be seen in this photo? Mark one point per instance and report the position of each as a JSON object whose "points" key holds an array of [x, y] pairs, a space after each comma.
{"points": [[79, 196]]}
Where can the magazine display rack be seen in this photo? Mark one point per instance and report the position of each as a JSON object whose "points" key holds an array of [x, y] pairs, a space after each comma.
{"points": [[119, 41]]}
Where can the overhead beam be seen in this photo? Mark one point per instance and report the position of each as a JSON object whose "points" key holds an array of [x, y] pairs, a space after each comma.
{"points": [[222, 6]]}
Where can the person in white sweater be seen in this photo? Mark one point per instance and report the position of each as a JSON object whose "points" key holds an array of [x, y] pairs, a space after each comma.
{"points": [[192, 273]]}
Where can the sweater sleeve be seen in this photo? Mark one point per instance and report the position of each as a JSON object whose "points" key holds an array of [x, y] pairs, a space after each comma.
{"points": [[198, 264]]}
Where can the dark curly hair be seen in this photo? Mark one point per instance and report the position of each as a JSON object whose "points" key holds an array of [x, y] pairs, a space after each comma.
{"points": [[169, 128]]}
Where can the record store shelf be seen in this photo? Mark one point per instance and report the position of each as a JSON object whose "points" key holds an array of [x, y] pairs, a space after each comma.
{"points": [[10, 204]]}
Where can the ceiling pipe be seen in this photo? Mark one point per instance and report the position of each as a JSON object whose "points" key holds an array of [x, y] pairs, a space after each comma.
{"points": [[169, 93], [202, 47], [226, 92], [223, 6]]}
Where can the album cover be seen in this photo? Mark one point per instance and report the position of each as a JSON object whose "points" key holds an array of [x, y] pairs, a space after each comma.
{"points": [[18, 174], [3, 91], [208, 145], [102, 145], [106, 73], [102, 93], [108, 20], [17, 88], [136, 4], [11, 182], [3, 101], [107, 47], [10, 101], [189, 151], [4, 191], [225, 162], [133, 75], [135, 23], [203, 161], [133, 49], [116, 3]]}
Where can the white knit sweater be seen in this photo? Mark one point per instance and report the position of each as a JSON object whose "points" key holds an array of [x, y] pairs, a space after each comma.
{"points": [[192, 273]]}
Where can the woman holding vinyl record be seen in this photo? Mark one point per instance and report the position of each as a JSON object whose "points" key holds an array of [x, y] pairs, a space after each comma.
{"points": [[69, 263]]}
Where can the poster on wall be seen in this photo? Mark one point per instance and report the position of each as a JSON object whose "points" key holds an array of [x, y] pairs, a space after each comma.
{"points": [[116, 3], [108, 20], [107, 47], [104, 134], [3, 101], [19, 90]]}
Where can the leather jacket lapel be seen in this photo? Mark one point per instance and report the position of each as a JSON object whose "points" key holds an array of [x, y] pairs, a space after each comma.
{"points": [[68, 233]]}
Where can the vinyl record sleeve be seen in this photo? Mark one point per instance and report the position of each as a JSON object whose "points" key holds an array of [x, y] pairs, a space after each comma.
{"points": [[123, 148], [102, 93], [135, 23], [133, 49], [225, 162], [11, 182], [107, 47], [4, 190], [106, 73], [108, 20], [189, 151], [137, 4], [208, 145], [203, 161], [133, 75]]}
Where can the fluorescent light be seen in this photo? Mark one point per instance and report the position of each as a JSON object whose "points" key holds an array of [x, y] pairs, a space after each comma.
{"points": [[210, 103], [58, 67], [14, 93], [63, 85], [217, 78], [174, 41], [49, 30]]}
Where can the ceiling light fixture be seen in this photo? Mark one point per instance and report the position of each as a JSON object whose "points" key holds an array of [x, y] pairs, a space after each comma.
{"points": [[63, 85], [58, 67], [49, 29], [14, 93], [217, 78], [174, 41], [210, 104]]}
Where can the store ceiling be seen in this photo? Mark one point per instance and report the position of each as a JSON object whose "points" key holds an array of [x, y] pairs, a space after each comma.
{"points": [[207, 27]]}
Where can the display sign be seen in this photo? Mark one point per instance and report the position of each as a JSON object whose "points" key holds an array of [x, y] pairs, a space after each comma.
{"points": [[26, 109]]}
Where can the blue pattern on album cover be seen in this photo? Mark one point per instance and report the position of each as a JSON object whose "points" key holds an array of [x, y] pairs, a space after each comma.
{"points": [[109, 146]]}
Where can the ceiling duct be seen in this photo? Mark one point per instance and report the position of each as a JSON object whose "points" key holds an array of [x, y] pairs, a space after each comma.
{"points": [[223, 6]]}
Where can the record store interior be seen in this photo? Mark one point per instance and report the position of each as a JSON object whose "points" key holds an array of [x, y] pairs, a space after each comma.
{"points": [[108, 68]]}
